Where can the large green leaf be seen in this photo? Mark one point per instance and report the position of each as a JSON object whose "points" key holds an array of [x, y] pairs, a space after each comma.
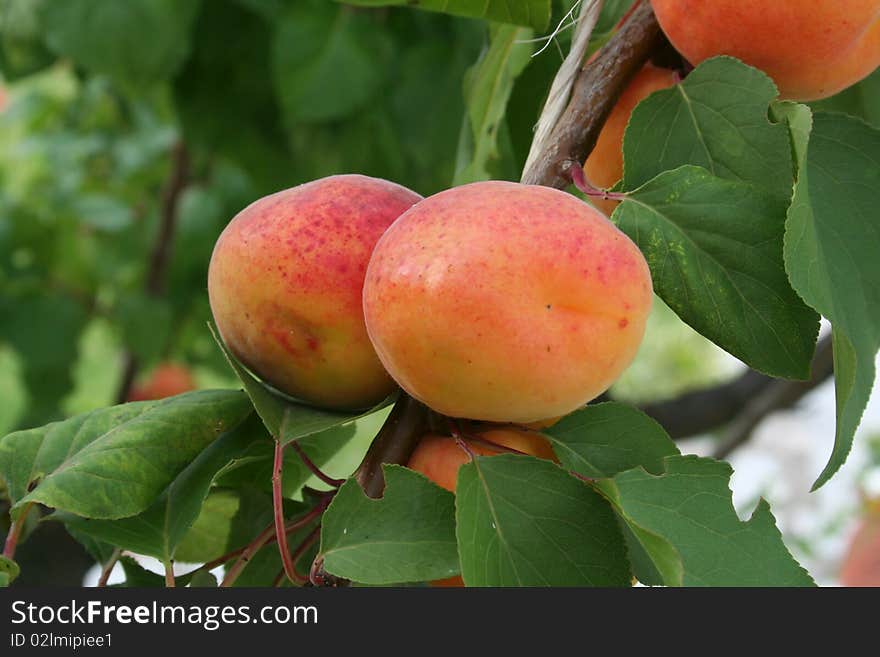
{"points": [[717, 119], [115, 462], [831, 243], [531, 13], [487, 88], [22, 50], [136, 42], [406, 536], [158, 530], [286, 419], [523, 521], [684, 523], [328, 61], [714, 247], [604, 439]]}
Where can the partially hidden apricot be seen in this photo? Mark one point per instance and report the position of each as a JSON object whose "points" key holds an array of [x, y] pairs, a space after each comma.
{"points": [[811, 48], [506, 302], [167, 380], [285, 284], [604, 166]]}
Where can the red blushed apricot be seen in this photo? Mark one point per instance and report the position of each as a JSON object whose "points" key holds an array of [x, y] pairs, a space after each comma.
{"points": [[167, 380], [604, 166], [811, 48], [285, 284], [506, 302]]}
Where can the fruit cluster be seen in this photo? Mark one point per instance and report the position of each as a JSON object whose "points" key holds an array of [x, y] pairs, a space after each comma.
{"points": [[493, 301]]}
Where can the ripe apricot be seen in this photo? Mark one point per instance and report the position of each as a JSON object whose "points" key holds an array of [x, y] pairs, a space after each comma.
{"points": [[811, 48], [505, 302], [439, 457], [285, 284], [604, 166], [167, 380]]}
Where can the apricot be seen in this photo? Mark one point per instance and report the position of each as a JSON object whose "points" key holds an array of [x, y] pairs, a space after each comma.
{"points": [[285, 284], [811, 48], [167, 380], [604, 166], [505, 302], [439, 457]]}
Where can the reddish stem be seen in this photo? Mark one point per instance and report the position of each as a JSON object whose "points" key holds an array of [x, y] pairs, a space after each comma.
{"points": [[169, 575], [15, 530], [278, 504], [314, 469], [580, 181], [108, 568], [247, 554]]}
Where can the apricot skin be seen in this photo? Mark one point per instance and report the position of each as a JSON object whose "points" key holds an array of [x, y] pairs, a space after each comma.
{"points": [[604, 166], [285, 285], [439, 457], [505, 302], [811, 48], [167, 380]]}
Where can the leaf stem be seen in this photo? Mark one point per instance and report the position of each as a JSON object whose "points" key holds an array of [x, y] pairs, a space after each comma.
{"points": [[579, 179], [169, 574], [278, 506], [247, 554], [15, 530], [314, 469], [108, 567]]}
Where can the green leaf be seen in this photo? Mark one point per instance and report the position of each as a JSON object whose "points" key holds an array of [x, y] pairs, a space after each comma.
{"points": [[487, 88], [137, 42], [604, 439], [253, 469], [688, 511], [136, 576], [9, 570], [523, 521], [328, 62], [286, 419], [717, 119], [406, 536], [531, 13], [831, 257], [22, 51], [159, 530], [115, 462], [714, 247]]}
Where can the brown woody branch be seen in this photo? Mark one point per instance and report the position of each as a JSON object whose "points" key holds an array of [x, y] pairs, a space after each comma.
{"points": [[160, 255], [595, 92]]}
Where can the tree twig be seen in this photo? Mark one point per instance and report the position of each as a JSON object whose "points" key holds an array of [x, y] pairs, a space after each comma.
{"points": [[595, 92], [160, 255], [779, 394], [108, 567], [395, 442]]}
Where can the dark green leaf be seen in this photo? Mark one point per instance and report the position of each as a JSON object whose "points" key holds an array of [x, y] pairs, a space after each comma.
{"points": [[714, 247], [604, 439], [136, 42], [9, 570], [531, 13], [523, 521], [328, 61], [831, 257], [159, 530], [685, 524], [717, 119], [406, 536], [115, 462]]}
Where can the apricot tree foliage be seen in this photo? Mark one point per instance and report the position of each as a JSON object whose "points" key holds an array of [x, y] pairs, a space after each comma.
{"points": [[755, 216]]}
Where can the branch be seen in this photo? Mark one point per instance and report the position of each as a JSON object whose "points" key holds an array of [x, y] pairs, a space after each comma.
{"points": [[595, 92], [160, 255], [395, 442], [777, 395]]}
